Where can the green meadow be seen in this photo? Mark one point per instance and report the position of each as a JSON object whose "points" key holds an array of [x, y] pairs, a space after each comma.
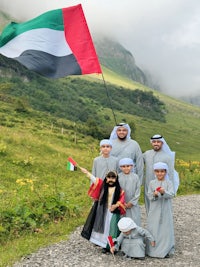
{"points": [[42, 202]]}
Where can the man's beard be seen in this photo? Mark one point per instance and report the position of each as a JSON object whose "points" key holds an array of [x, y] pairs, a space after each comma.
{"points": [[155, 148], [122, 138], [111, 184]]}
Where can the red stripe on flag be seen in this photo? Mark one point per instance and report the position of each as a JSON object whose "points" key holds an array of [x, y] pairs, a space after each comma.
{"points": [[79, 39], [72, 161], [110, 241]]}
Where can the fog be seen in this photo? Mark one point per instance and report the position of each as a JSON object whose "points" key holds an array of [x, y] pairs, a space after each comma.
{"points": [[162, 35]]}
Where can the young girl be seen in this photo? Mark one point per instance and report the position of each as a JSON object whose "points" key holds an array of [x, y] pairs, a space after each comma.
{"points": [[160, 216], [130, 183]]}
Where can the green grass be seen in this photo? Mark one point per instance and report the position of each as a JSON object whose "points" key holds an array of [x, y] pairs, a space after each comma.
{"points": [[182, 126], [14, 250], [35, 146]]}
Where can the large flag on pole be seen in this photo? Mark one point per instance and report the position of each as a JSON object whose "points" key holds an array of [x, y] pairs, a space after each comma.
{"points": [[55, 44]]}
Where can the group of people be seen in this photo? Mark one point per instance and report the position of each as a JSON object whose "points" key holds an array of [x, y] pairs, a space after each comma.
{"points": [[116, 179]]}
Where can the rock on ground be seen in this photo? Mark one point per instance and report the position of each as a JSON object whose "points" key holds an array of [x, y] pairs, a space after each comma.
{"points": [[77, 251]]}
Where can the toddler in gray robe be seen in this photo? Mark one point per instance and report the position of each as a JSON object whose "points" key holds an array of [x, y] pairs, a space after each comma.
{"points": [[131, 239]]}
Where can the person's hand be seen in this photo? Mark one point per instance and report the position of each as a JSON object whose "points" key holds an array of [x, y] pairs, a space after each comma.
{"points": [[113, 207], [85, 171], [112, 250], [155, 193], [153, 243], [128, 205], [162, 190]]}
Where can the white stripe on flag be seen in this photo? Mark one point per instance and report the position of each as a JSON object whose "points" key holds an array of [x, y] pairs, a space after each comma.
{"points": [[45, 40]]}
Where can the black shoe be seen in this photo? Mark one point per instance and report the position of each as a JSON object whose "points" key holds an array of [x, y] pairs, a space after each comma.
{"points": [[140, 258], [104, 250]]}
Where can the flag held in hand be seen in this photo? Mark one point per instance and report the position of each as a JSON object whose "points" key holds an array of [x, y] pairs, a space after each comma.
{"points": [[158, 188], [111, 244], [110, 241], [71, 164]]}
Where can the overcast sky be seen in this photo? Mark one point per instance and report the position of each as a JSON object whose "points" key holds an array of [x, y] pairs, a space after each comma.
{"points": [[162, 35]]}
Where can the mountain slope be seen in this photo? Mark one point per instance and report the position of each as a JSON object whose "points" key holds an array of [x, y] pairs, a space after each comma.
{"points": [[85, 100], [116, 58]]}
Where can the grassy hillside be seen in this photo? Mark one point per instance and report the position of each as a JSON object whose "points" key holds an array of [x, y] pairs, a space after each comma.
{"points": [[34, 147], [86, 103], [182, 126], [42, 122], [35, 185]]}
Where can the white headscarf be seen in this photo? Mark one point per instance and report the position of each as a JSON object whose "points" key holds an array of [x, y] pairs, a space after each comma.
{"points": [[167, 149], [126, 224], [113, 134], [165, 146], [126, 161], [105, 142], [161, 166]]}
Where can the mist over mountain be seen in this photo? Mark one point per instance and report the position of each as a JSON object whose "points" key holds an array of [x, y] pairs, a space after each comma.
{"points": [[116, 57], [163, 36]]}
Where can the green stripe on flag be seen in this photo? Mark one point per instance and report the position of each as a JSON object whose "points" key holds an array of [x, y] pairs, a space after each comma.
{"points": [[70, 166], [52, 19]]}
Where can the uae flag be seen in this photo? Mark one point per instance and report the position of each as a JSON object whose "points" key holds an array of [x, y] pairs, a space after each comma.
{"points": [[71, 164], [55, 44], [110, 241]]}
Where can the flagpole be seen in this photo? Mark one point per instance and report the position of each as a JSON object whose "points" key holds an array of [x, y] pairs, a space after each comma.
{"points": [[113, 256], [109, 99]]}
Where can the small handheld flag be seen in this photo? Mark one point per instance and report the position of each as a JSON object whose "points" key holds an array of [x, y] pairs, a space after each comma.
{"points": [[110, 241], [158, 188], [71, 164], [111, 244]]}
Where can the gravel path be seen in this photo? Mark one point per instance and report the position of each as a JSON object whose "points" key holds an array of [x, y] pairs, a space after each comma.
{"points": [[79, 252]]}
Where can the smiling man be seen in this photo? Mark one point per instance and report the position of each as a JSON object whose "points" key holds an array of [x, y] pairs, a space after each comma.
{"points": [[125, 147]]}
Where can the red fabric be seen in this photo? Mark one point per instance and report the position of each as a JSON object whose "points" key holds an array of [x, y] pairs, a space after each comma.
{"points": [[79, 39], [72, 161], [110, 241], [94, 193], [121, 203], [158, 188], [95, 189]]}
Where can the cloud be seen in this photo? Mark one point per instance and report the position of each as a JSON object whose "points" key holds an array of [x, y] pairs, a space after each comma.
{"points": [[163, 36]]}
